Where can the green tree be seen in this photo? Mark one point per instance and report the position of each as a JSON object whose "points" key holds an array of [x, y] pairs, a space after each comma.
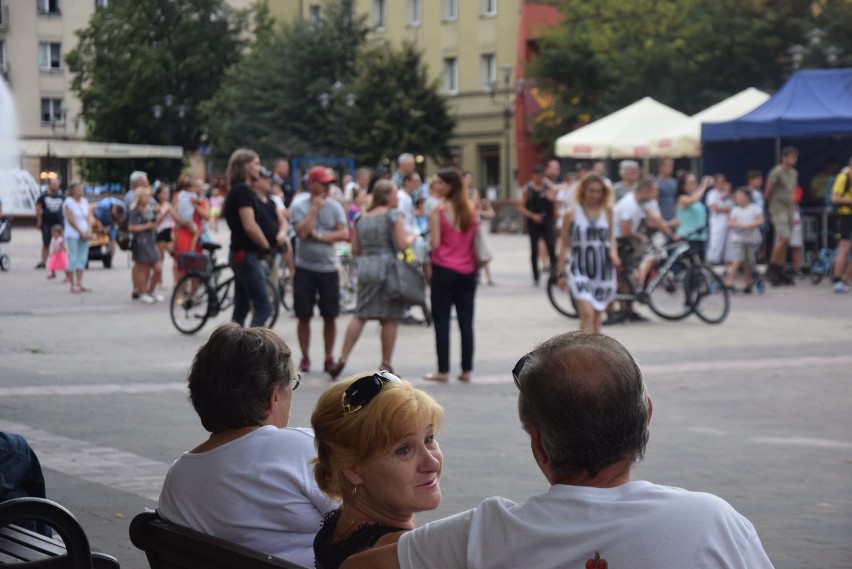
{"points": [[404, 110], [135, 53], [687, 54], [379, 101]]}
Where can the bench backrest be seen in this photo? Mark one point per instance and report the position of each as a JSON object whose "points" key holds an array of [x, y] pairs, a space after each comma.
{"points": [[170, 546]]}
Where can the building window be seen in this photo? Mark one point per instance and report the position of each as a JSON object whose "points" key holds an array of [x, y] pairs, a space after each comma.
{"points": [[51, 111], [49, 56], [101, 4], [451, 9], [379, 15], [451, 75], [48, 6], [489, 7], [489, 71], [315, 14], [413, 12]]}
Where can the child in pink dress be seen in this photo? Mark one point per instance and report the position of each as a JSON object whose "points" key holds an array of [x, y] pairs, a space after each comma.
{"points": [[58, 259]]}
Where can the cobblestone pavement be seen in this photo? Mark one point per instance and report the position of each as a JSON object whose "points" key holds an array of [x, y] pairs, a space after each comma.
{"points": [[757, 410]]}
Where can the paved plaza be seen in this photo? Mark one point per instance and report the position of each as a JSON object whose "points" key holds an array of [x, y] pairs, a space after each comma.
{"points": [[757, 410]]}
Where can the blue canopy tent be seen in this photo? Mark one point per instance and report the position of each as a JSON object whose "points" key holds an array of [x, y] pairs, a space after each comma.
{"points": [[812, 111]]}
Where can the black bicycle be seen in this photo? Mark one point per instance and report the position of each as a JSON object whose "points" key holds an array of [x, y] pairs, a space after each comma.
{"points": [[207, 289]]}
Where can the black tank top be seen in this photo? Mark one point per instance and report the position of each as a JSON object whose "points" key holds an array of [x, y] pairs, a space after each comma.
{"points": [[537, 203]]}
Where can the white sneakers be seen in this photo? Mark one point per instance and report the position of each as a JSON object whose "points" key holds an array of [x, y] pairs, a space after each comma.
{"points": [[840, 287], [147, 299]]}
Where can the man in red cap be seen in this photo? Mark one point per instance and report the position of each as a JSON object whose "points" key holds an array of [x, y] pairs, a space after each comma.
{"points": [[320, 223]]}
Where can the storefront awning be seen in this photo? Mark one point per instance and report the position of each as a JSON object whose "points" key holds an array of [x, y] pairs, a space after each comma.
{"points": [[83, 149]]}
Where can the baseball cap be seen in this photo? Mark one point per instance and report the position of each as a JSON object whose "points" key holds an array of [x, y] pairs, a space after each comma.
{"points": [[321, 174], [264, 173]]}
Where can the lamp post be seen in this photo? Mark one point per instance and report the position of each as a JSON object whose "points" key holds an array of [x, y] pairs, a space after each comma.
{"points": [[508, 104], [165, 111], [326, 101], [815, 36]]}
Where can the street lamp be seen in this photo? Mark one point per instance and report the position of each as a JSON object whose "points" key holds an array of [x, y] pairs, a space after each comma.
{"points": [[508, 104], [326, 101], [815, 37], [160, 111]]}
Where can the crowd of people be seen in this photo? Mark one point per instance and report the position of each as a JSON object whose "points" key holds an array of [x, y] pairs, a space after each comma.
{"points": [[345, 493]]}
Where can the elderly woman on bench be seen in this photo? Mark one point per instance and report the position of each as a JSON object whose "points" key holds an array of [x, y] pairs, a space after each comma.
{"points": [[377, 452], [250, 482]]}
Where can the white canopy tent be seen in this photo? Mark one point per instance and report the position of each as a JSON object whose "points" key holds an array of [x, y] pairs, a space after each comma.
{"points": [[685, 138], [626, 133]]}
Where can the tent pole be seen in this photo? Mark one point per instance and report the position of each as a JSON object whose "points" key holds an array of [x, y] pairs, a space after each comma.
{"points": [[777, 149]]}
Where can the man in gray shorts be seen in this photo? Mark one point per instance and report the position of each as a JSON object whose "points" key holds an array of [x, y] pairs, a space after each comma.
{"points": [[780, 185], [320, 223]]}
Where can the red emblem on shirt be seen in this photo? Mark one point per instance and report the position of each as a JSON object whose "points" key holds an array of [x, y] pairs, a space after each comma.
{"points": [[597, 562]]}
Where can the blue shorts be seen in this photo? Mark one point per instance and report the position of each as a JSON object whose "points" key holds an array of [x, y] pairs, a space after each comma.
{"points": [[78, 253]]}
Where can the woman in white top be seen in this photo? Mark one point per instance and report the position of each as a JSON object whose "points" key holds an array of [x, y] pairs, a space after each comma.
{"points": [[78, 220], [251, 482], [587, 234]]}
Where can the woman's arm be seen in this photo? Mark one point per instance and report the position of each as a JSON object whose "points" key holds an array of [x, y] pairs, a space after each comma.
{"points": [[403, 239], [435, 227], [69, 219], [564, 243], [356, 240], [251, 227], [140, 227], [613, 243]]}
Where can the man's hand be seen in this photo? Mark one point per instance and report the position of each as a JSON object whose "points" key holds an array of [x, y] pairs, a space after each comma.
{"points": [[317, 202]]}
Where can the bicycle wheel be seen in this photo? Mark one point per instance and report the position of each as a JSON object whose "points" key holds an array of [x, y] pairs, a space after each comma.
{"points": [[285, 290], [667, 296], [712, 299], [191, 303], [817, 273], [562, 300]]}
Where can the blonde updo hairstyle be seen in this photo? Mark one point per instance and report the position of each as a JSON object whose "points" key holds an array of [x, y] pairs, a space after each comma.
{"points": [[398, 410]]}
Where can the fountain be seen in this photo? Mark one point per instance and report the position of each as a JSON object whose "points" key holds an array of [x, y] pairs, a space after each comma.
{"points": [[18, 190]]}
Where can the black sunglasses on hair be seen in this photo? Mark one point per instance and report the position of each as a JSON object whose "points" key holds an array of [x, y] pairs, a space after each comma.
{"points": [[364, 390], [519, 367], [294, 383]]}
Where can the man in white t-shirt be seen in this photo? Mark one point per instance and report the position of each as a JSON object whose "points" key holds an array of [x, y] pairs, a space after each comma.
{"points": [[584, 404]]}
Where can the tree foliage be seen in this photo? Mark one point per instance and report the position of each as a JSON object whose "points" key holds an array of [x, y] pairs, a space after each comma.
{"points": [[687, 54], [134, 53], [271, 100]]}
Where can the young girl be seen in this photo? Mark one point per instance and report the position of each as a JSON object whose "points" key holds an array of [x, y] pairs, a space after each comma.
{"points": [[58, 259], [587, 232]]}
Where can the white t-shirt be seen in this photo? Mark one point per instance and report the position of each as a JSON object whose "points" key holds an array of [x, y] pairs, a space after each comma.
{"points": [[747, 214], [258, 491], [637, 525], [714, 198], [629, 209], [80, 213]]}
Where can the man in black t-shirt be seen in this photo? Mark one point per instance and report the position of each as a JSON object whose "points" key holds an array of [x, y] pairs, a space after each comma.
{"points": [[48, 214]]}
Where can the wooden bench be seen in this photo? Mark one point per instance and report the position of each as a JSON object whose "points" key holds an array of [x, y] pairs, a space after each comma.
{"points": [[20, 546], [170, 546]]}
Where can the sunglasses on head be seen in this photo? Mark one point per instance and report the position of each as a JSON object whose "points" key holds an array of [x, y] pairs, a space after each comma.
{"points": [[294, 383], [364, 390], [519, 367]]}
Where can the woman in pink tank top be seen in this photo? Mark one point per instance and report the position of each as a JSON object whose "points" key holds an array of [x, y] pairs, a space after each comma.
{"points": [[452, 227]]}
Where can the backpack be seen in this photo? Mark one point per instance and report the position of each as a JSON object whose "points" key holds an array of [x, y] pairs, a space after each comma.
{"points": [[123, 237]]}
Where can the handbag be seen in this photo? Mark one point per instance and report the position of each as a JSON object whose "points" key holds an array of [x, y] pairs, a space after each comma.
{"points": [[405, 283], [481, 247]]}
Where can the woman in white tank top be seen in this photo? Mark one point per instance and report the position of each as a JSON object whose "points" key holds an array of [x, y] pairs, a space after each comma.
{"points": [[588, 239]]}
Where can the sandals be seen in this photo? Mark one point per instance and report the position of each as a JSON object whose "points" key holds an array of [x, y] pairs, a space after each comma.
{"points": [[384, 366], [464, 377], [439, 377], [334, 369]]}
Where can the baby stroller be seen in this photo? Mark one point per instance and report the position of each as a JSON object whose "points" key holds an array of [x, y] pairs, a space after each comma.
{"points": [[5, 237]]}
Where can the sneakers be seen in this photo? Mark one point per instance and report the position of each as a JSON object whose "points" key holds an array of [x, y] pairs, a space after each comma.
{"points": [[134, 296], [147, 299], [39, 266], [159, 297], [305, 365], [840, 287]]}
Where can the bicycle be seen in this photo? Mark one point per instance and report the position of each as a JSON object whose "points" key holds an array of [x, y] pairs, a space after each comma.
{"points": [[204, 291], [677, 285], [561, 300], [823, 266]]}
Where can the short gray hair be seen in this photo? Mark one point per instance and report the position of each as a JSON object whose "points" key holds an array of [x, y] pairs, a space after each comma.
{"points": [[137, 177], [627, 165], [404, 157], [585, 395]]}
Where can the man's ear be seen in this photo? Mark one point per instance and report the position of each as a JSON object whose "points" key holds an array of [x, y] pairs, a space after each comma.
{"points": [[537, 449], [650, 409]]}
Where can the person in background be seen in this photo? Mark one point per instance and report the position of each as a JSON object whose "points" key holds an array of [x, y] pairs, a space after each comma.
{"points": [[537, 206], [745, 221], [20, 474], [780, 185], [668, 188], [378, 234], [585, 406], [48, 213], [319, 223], [78, 223], [691, 212], [165, 216], [629, 172], [250, 481], [248, 243], [147, 267], [841, 196], [378, 453], [110, 211], [720, 202], [452, 226], [58, 259]]}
